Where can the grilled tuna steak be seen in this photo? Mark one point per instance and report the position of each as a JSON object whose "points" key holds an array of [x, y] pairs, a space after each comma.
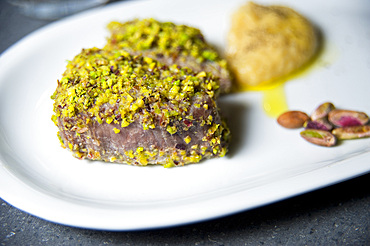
{"points": [[112, 106], [169, 44]]}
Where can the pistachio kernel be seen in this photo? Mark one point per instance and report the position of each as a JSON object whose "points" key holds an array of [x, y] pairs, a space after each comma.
{"points": [[343, 118], [322, 111], [293, 119], [352, 132], [319, 137], [319, 124]]}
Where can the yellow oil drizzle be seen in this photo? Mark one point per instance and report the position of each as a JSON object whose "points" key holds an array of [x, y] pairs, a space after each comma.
{"points": [[274, 99]]}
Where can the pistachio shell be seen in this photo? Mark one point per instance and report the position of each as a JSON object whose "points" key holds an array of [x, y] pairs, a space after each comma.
{"points": [[319, 137], [319, 124], [293, 119], [352, 132], [343, 118], [322, 111]]}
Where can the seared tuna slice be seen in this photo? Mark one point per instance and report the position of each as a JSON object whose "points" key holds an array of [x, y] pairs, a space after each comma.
{"points": [[116, 107], [170, 44]]}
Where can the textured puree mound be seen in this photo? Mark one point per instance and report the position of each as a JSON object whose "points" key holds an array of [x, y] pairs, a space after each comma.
{"points": [[266, 43], [170, 44], [112, 106]]}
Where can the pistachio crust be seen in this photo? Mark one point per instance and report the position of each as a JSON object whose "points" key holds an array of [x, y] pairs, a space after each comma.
{"points": [[170, 44], [113, 106]]}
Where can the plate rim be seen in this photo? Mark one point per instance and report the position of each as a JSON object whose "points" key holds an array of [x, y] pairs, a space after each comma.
{"points": [[17, 184]]}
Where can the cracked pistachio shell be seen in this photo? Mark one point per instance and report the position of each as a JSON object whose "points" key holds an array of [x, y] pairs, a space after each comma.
{"points": [[322, 111], [319, 124], [319, 137], [293, 119], [352, 132], [343, 118]]}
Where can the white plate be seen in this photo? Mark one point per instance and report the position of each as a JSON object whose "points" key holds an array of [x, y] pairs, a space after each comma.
{"points": [[267, 163]]}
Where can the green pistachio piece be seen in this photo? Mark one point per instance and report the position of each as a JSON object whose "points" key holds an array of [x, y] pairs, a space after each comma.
{"points": [[319, 137], [352, 132]]}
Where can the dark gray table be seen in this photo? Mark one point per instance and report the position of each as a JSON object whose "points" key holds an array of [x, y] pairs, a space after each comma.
{"points": [[337, 215]]}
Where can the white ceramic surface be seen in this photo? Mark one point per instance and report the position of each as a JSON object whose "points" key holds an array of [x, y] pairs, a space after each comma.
{"points": [[266, 163]]}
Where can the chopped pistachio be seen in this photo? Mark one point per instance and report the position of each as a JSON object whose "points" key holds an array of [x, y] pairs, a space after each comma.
{"points": [[187, 139], [173, 39], [112, 86]]}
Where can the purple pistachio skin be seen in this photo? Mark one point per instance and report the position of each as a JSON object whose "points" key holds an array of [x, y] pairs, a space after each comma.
{"points": [[319, 124], [344, 118]]}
